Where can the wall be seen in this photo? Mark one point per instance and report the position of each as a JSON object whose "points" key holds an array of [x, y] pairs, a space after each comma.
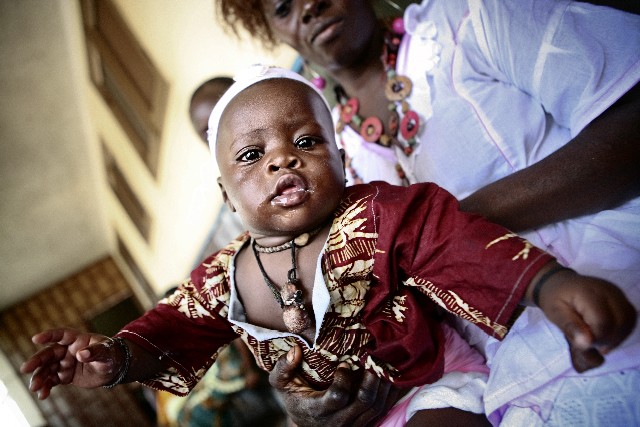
{"points": [[52, 218], [187, 45]]}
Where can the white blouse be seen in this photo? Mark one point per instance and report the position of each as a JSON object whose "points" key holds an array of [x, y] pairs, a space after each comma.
{"points": [[499, 85]]}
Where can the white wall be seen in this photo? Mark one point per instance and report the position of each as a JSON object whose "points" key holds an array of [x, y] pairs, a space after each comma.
{"points": [[52, 220], [185, 42]]}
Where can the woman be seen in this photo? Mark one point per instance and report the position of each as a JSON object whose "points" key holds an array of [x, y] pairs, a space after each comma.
{"points": [[527, 112]]}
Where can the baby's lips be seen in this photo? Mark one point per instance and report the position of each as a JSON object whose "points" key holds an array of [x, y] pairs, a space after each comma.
{"points": [[288, 181], [290, 190], [290, 197]]}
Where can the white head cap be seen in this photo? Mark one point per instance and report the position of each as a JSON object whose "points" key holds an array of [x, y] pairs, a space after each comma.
{"points": [[243, 80]]}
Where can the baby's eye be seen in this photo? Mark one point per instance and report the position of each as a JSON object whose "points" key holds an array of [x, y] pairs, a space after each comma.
{"points": [[249, 156], [305, 142], [283, 8]]}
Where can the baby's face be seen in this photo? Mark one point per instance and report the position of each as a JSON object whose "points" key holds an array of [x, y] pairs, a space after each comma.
{"points": [[279, 164]]}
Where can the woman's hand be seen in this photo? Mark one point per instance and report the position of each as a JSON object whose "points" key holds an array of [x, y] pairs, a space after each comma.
{"points": [[71, 357], [353, 399]]}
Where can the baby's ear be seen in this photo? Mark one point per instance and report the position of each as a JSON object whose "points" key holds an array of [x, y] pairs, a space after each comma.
{"points": [[225, 198]]}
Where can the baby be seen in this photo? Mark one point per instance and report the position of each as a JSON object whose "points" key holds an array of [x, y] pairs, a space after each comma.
{"points": [[356, 276]]}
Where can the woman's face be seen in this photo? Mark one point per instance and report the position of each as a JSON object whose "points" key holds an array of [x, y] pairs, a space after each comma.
{"points": [[330, 33]]}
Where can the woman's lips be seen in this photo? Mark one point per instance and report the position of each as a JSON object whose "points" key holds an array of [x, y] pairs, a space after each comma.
{"points": [[325, 31], [291, 190]]}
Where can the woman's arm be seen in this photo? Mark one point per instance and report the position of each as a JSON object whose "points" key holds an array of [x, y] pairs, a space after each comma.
{"points": [[595, 171]]}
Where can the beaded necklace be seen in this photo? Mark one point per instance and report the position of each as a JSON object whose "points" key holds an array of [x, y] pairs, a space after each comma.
{"points": [[299, 241], [294, 314], [397, 89]]}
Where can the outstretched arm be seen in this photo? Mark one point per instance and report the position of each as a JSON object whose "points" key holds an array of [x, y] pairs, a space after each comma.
{"points": [[83, 359], [594, 315], [352, 399], [597, 170]]}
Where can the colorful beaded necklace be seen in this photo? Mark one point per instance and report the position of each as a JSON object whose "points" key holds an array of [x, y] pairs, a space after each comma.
{"points": [[397, 89]]}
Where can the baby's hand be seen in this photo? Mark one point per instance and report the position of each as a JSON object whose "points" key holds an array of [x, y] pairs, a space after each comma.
{"points": [[71, 357], [594, 315]]}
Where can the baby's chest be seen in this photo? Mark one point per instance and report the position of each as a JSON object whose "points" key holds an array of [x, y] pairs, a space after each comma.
{"points": [[276, 293]]}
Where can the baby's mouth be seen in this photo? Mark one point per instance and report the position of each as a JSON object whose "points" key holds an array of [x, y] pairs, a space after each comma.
{"points": [[290, 190]]}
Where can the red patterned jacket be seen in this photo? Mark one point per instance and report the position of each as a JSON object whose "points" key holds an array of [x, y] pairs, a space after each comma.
{"points": [[394, 259]]}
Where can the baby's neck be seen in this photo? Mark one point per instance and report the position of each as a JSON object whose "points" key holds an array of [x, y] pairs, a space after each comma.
{"points": [[269, 244]]}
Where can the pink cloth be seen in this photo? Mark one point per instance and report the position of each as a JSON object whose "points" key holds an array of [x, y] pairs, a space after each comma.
{"points": [[458, 357]]}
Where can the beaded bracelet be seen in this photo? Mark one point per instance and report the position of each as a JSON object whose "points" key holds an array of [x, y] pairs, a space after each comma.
{"points": [[543, 279], [127, 361]]}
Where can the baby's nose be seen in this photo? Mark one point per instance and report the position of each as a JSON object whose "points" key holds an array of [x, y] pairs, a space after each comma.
{"points": [[283, 162]]}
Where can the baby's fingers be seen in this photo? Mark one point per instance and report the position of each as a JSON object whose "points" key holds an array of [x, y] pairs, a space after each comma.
{"points": [[63, 336], [618, 323], [47, 357], [607, 313], [583, 360], [578, 333], [44, 378], [45, 389], [579, 336], [595, 317]]}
